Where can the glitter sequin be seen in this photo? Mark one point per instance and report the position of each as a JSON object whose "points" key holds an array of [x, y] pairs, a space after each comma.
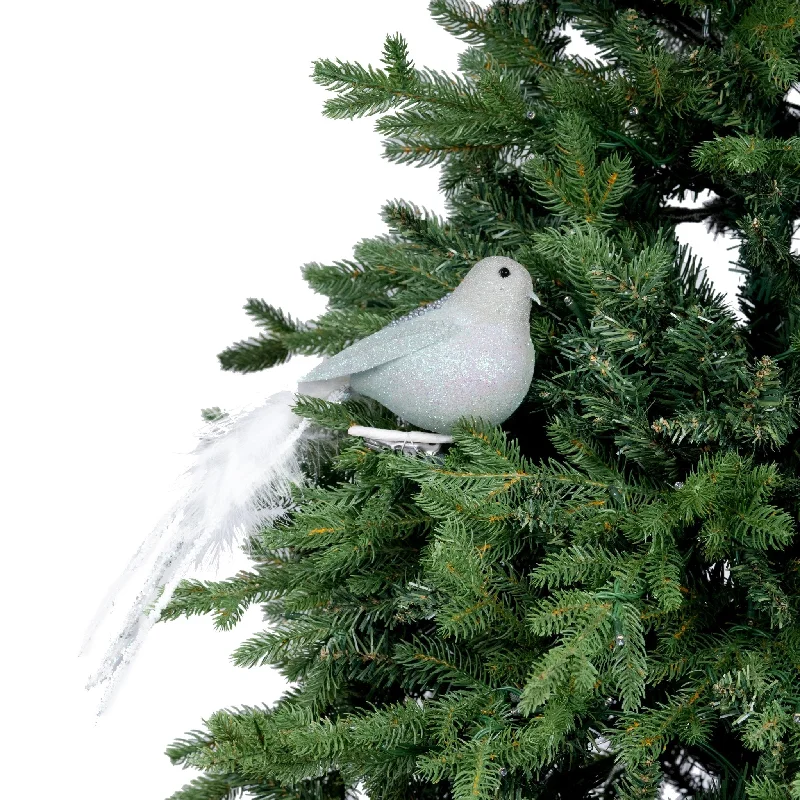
{"points": [[418, 312]]}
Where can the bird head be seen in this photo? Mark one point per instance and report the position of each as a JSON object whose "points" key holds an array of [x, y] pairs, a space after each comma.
{"points": [[496, 287]]}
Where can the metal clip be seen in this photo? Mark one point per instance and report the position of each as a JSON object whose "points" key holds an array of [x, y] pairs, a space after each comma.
{"points": [[407, 442]]}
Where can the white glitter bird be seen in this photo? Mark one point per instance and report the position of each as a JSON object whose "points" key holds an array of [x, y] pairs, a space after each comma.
{"points": [[468, 356]]}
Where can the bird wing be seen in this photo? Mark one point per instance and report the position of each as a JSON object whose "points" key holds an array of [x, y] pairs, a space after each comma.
{"points": [[387, 344]]}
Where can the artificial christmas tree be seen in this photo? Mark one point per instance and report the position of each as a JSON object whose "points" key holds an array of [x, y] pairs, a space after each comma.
{"points": [[601, 598]]}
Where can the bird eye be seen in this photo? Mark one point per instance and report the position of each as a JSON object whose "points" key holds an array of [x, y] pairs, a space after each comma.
{"points": [[504, 272]]}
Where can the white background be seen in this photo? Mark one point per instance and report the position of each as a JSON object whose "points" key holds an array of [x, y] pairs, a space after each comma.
{"points": [[160, 162]]}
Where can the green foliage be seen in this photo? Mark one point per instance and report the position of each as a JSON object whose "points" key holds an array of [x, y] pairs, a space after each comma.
{"points": [[211, 787], [769, 31], [603, 597], [225, 600], [575, 187], [213, 414], [231, 785], [744, 155], [268, 349]]}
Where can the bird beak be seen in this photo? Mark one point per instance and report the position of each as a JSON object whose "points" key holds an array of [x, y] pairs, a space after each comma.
{"points": [[535, 297]]}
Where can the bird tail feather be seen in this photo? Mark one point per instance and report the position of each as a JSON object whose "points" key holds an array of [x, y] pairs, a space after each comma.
{"points": [[239, 482]]}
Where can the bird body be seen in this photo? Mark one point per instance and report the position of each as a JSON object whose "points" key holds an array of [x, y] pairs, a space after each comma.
{"points": [[471, 356]]}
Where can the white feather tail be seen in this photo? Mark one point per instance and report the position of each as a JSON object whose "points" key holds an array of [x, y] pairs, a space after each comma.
{"points": [[244, 467]]}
